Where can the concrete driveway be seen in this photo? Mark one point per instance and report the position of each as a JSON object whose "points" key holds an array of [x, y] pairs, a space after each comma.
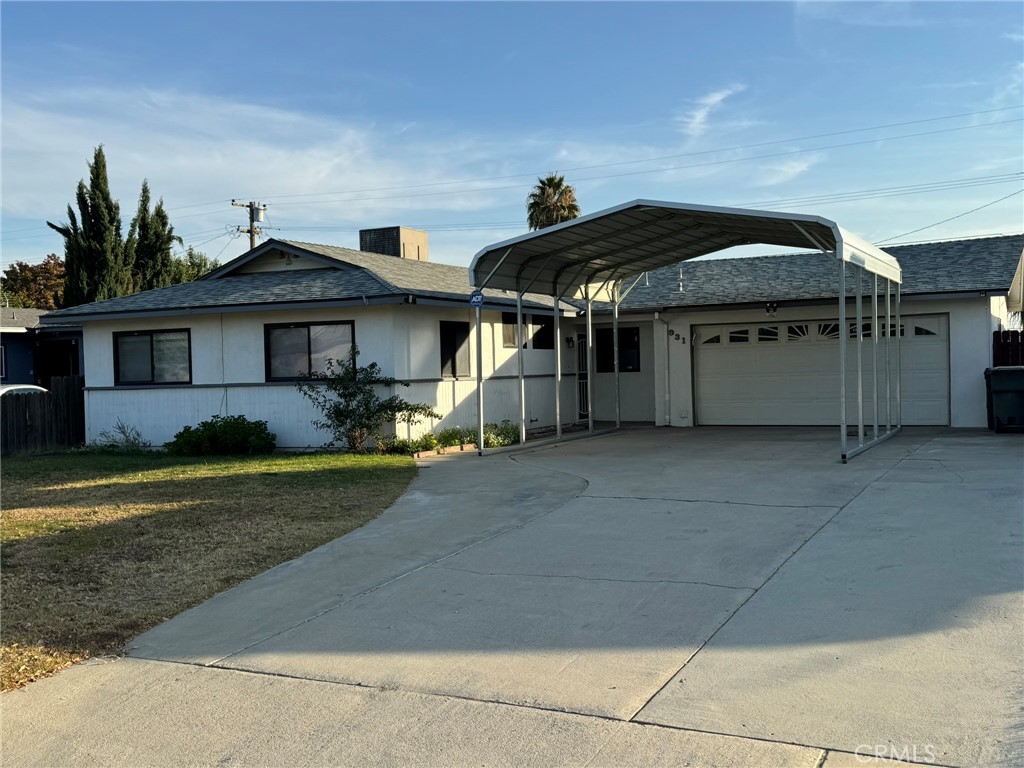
{"points": [[653, 597]]}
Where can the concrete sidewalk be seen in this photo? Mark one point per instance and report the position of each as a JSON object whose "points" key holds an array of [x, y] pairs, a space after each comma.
{"points": [[653, 597]]}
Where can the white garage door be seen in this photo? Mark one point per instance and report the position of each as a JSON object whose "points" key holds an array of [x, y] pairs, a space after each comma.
{"points": [[788, 372]]}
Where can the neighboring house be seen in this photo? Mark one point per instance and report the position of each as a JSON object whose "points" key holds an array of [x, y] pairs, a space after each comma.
{"points": [[235, 342], [752, 341], [33, 354], [713, 341]]}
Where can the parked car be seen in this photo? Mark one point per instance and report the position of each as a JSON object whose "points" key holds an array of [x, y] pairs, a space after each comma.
{"points": [[15, 389]]}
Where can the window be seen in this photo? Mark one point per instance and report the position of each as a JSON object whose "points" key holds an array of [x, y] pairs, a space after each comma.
{"points": [[153, 357], [540, 329], [508, 330], [768, 333], [299, 349], [543, 331], [716, 339], [3, 363], [865, 330], [455, 349], [797, 332], [828, 330], [742, 336], [629, 350]]}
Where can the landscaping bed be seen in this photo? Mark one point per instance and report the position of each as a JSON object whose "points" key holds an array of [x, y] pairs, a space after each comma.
{"points": [[98, 547]]}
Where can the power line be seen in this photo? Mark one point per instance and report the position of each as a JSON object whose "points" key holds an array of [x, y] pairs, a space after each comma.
{"points": [[958, 216], [663, 157], [659, 170]]}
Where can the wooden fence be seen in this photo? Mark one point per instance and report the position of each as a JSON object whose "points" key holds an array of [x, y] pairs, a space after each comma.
{"points": [[1007, 348], [44, 421]]}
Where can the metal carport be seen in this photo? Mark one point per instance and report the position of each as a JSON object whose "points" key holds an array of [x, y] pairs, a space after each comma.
{"points": [[600, 253]]}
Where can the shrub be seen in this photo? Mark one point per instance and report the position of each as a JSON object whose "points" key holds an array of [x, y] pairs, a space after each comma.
{"points": [[426, 442], [353, 412], [399, 446], [500, 435], [223, 435], [448, 438]]}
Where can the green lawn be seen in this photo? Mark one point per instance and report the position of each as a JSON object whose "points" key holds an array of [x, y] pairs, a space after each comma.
{"points": [[96, 548]]}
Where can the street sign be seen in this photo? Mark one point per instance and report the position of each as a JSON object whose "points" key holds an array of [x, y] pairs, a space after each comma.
{"points": [[476, 299]]}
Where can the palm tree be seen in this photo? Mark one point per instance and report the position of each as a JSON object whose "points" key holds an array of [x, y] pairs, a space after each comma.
{"points": [[551, 201]]}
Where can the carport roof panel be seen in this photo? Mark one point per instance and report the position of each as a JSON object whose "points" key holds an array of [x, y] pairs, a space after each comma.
{"points": [[643, 235]]}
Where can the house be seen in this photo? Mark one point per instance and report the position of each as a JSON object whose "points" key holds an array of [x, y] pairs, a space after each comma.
{"points": [[713, 341], [31, 353], [236, 341]]}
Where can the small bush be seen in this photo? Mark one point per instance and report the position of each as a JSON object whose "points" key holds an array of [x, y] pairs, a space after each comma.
{"points": [[399, 446], [469, 435], [426, 442], [448, 438], [500, 435], [223, 436]]}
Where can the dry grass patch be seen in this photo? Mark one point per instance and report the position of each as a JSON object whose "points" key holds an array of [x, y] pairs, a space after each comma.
{"points": [[96, 548]]}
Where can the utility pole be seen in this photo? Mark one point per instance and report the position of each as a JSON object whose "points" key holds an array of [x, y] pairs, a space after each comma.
{"points": [[256, 211]]}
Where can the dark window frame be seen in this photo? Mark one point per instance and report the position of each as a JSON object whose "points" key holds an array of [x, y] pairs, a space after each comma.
{"points": [[267, 328], [542, 332], [3, 362], [604, 351], [508, 322], [461, 328], [118, 335]]}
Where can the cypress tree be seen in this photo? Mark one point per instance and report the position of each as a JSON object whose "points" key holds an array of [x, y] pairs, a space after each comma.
{"points": [[155, 238], [97, 259]]}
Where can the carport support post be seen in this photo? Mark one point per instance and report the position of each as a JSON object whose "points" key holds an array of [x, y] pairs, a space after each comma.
{"points": [[888, 373], [842, 353], [874, 351], [590, 360], [479, 384], [615, 354], [520, 342], [860, 355], [558, 371], [899, 363]]}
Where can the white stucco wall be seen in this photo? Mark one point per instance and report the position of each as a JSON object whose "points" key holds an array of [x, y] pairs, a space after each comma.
{"points": [[228, 372]]}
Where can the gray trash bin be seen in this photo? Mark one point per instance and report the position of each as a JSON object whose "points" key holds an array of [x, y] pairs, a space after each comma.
{"points": [[1006, 389]]}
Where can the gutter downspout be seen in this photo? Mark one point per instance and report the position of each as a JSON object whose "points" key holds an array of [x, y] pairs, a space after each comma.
{"points": [[668, 370]]}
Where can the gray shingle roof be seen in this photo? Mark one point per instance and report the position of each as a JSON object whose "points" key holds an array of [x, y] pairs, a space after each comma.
{"points": [[422, 278], [356, 275], [983, 264], [12, 317]]}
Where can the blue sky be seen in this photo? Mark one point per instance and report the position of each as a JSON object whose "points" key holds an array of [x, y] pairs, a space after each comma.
{"points": [[440, 116]]}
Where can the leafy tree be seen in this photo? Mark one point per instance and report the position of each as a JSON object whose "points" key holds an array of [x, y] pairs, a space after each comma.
{"points": [[34, 285], [154, 265], [353, 411], [98, 260], [193, 265], [551, 201]]}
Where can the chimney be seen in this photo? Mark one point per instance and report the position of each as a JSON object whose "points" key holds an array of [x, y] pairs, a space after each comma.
{"points": [[402, 242]]}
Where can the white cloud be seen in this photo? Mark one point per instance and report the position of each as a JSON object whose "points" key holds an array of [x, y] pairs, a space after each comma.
{"points": [[694, 122], [889, 13], [783, 171]]}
